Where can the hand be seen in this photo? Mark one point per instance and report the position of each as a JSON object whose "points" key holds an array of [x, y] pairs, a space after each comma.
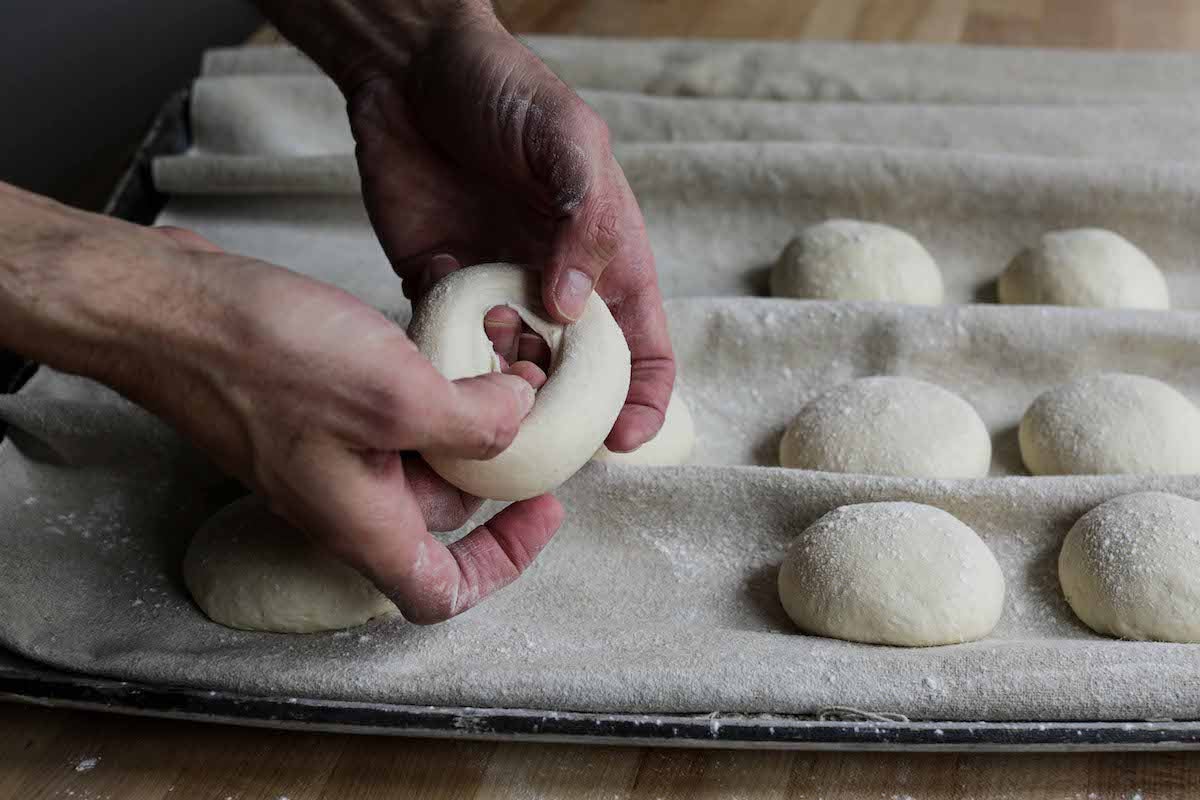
{"points": [[305, 393], [471, 150]]}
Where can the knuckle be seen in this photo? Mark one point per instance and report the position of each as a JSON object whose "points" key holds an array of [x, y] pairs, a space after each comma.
{"points": [[387, 410], [365, 107], [602, 235], [593, 125], [488, 442], [394, 429], [507, 432], [569, 177], [568, 141], [518, 555], [473, 437], [495, 440]]}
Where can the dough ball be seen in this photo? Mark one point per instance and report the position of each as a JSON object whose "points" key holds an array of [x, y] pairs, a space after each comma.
{"points": [[889, 426], [1109, 424], [1129, 568], [844, 259], [673, 444], [1083, 267], [247, 568], [892, 573]]}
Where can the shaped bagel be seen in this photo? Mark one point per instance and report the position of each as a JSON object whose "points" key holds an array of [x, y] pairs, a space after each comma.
{"points": [[575, 409]]}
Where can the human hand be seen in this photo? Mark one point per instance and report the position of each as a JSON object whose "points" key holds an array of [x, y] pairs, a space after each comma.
{"points": [[319, 404], [305, 393], [471, 150]]}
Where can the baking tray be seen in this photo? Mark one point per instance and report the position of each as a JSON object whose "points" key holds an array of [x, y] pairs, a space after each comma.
{"points": [[135, 199]]}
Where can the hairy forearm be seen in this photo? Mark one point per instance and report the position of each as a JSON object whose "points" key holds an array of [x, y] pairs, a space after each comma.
{"points": [[80, 292], [355, 40]]}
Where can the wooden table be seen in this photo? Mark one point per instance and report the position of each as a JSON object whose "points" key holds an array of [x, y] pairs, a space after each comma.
{"points": [[87, 756]]}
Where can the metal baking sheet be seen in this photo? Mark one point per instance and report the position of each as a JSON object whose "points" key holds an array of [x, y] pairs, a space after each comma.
{"points": [[31, 683], [136, 199]]}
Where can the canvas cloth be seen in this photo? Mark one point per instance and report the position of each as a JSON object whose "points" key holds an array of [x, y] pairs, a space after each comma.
{"points": [[658, 594]]}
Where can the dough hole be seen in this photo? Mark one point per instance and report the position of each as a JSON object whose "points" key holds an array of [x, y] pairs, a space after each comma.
{"points": [[513, 340]]}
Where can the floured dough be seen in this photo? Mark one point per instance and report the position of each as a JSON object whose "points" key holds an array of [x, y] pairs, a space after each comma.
{"points": [[844, 259], [673, 444], [1108, 424], [1129, 568], [1083, 267], [889, 426], [247, 568], [892, 573], [576, 407]]}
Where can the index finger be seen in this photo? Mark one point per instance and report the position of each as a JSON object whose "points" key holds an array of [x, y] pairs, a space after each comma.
{"points": [[604, 242], [652, 373], [630, 287]]}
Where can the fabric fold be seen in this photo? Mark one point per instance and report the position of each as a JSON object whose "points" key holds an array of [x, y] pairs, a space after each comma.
{"points": [[659, 592], [305, 115], [719, 213], [826, 71]]}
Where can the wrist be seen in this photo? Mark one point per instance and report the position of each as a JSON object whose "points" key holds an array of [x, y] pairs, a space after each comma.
{"points": [[356, 40]]}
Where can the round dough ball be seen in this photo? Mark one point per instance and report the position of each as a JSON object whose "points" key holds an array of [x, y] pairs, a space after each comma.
{"points": [[844, 259], [1129, 568], [889, 426], [1111, 423], [247, 568], [892, 573], [576, 407], [673, 444], [1083, 267]]}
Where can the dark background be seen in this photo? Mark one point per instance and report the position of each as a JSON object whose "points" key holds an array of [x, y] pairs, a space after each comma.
{"points": [[81, 79]]}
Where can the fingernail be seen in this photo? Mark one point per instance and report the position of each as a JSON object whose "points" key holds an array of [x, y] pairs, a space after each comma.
{"points": [[572, 292], [500, 324], [522, 389], [503, 335]]}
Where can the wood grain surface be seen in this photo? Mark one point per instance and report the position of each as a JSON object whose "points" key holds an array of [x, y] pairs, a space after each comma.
{"points": [[87, 756], [1049, 23]]}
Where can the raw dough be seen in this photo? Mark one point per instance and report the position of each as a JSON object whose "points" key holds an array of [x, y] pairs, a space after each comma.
{"points": [[575, 409], [1083, 267], [1108, 424], [673, 444], [247, 568], [844, 259], [1129, 568], [889, 426], [892, 573]]}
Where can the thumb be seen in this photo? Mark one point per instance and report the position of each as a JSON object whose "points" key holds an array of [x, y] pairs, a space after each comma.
{"points": [[473, 417], [586, 242]]}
